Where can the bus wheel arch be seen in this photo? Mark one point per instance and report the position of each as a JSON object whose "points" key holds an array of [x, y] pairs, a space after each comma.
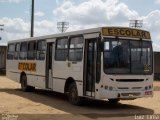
{"points": [[24, 86], [72, 92], [67, 84], [22, 73]]}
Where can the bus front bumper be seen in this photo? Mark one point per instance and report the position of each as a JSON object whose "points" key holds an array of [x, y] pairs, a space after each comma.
{"points": [[106, 94]]}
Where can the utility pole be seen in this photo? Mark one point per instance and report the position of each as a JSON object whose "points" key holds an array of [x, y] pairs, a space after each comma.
{"points": [[32, 19]]}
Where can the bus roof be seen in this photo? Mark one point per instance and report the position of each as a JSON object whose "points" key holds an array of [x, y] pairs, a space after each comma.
{"points": [[79, 32]]}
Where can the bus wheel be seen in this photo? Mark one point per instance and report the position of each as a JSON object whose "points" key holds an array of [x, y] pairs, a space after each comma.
{"points": [[24, 85], [114, 101], [73, 95]]}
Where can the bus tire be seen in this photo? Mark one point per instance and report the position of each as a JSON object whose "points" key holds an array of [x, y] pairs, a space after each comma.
{"points": [[114, 101], [24, 85], [73, 94]]}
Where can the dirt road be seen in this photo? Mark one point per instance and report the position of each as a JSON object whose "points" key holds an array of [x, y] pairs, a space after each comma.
{"points": [[46, 105]]}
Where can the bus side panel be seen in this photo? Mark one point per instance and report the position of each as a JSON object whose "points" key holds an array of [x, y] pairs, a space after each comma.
{"points": [[37, 78], [58, 85], [62, 70], [76, 70], [12, 70], [60, 74], [36, 81]]}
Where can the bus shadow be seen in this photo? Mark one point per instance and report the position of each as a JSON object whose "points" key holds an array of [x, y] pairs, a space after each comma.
{"points": [[92, 108]]}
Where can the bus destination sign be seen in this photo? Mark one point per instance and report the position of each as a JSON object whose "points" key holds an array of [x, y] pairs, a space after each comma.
{"points": [[27, 66], [125, 32]]}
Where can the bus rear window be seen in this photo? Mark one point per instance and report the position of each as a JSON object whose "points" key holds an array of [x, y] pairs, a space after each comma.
{"points": [[23, 51], [41, 50], [17, 48], [11, 50]]}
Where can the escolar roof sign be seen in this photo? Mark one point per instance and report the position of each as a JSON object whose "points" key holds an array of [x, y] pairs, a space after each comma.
{"points": [[125, 32]]}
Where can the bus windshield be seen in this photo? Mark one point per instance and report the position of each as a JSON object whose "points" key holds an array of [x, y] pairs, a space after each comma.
{"points": [[122, 56]]}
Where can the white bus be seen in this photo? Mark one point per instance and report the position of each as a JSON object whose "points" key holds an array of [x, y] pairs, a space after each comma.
{"points": [[103, 63]]}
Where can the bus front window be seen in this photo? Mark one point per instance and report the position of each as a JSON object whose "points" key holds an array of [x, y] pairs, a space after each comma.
{"points": [[141, 57], [127, 56]]}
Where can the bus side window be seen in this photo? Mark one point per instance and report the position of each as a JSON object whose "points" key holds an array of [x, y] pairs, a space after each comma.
{"points": [[17, 48], [76, 49], [11, 50], [23, 51], [61, 49], [41, 50], [31, 54]]}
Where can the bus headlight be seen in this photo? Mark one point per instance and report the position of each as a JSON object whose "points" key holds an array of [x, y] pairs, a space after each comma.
{"points": [[149, 87], [146, 88], [109, 88]]}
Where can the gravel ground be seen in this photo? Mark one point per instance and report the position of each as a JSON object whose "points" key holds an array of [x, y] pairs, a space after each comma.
{"points": [[47, 105]]}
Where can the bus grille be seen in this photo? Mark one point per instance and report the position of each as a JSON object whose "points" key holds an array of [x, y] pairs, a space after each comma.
{"points": [[123, 88], [129, 80], [127, 88], [136, 88]]}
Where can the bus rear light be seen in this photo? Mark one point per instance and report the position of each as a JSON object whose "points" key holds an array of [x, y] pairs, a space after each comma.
{"points": [[148, 92]]}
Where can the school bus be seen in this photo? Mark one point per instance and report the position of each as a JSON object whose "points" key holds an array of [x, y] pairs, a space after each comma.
{"points": [[105, 63]]}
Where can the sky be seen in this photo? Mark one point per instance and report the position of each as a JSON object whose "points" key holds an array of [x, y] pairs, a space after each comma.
{"points": [[81, 14]]}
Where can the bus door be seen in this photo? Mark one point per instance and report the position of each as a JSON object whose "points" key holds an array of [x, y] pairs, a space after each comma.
{"points": [[49, 65], [90, 65]]}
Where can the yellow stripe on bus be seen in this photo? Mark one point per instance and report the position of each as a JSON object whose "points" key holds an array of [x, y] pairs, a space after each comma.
{"points": [[27, 66], [126, 32]]}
